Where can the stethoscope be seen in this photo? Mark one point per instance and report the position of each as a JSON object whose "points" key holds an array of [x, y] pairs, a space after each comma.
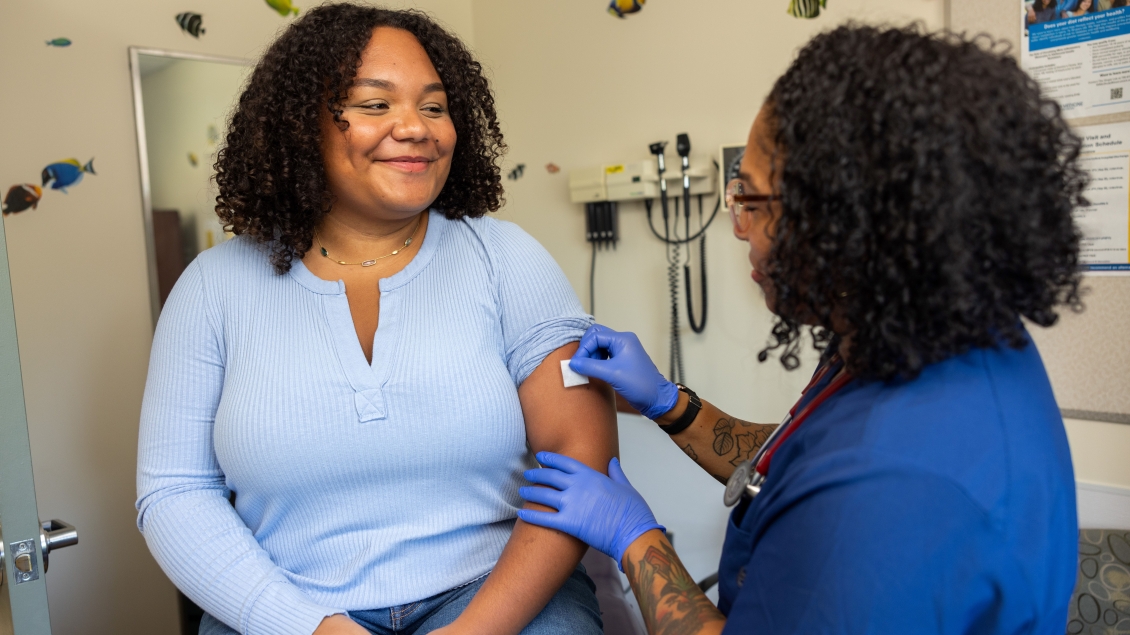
{"points": [[747, 478]]}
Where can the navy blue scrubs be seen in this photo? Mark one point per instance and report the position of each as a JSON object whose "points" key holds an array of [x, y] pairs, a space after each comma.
{"points": [[945, 504]]}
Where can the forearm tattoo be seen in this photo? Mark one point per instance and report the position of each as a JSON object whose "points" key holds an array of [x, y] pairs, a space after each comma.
{"points": [[670, 600], [749, 442], [726, 438]]}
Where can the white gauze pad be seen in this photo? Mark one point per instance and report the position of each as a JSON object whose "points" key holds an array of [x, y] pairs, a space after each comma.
{"points": [[571, 378]]}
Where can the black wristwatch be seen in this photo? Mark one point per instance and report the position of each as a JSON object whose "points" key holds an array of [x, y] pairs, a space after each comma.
{"points": [[693, 406]]}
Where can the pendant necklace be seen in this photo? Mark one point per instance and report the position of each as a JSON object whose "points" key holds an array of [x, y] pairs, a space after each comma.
{"points": [[371, 261]]}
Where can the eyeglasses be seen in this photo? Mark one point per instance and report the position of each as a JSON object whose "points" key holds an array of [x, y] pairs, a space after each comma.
{"points": [[737, 202]]}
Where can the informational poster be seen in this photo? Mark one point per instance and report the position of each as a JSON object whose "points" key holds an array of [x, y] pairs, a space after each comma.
{"points": [[1079, 52], [1105, 222]]}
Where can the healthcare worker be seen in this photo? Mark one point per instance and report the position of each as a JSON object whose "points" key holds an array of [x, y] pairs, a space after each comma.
{"points": [[908, 197]]}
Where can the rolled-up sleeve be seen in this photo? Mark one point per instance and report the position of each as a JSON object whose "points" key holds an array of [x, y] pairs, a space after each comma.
{"points": [[540, 311]]}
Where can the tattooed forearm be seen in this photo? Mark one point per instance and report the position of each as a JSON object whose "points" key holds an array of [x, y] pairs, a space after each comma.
{"points": [[723, 439], [670, 600], [749, 442], [718, 442]]}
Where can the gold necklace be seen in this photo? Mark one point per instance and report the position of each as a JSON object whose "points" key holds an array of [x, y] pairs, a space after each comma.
{"points": [[371, 261]]}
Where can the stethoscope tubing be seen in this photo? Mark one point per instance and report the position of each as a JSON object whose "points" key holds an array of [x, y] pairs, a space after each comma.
{"points": [[749, 475], [746, 480]]}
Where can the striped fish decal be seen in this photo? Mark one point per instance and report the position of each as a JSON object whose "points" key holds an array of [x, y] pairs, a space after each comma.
{"points": [[806, 8]]}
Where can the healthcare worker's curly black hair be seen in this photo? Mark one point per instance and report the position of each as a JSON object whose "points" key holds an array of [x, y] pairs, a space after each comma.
{"points": [[270, 173], [926, 190]]}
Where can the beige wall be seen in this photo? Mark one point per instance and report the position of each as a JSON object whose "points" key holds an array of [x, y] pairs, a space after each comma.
{"points": [[79, 278]]}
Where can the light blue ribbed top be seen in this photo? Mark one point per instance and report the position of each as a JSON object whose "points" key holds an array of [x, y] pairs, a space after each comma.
{"points": [[358, 486]]}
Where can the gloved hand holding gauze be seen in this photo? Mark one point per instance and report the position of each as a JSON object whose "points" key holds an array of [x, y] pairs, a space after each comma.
{"points": [[620, 360]]}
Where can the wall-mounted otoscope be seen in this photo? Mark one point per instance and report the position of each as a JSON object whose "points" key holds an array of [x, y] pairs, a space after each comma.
{"points": [[601, 187], [658, 148], [683, 147]]}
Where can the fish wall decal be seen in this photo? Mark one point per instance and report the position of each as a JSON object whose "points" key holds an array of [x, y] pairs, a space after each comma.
{"points": [[191, 23], [621, 8], [66, 173], [60, 42], [21, 197], [806, 8], [283, 7]]}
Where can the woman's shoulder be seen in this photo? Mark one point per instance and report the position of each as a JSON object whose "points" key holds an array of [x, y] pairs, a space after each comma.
{"points": [[496, 234], [239, 257], [501, 245]]}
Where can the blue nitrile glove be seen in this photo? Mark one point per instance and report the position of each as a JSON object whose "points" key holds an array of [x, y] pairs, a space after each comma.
{"points": [[603, 511], [627, 369]]}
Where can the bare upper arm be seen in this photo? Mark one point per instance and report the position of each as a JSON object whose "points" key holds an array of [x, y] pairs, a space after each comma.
{"points": [[579, 422]]}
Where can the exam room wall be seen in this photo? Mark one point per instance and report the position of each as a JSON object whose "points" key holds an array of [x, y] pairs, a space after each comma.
{"points": [[78, 268], [1099, 450], [578, 87]]}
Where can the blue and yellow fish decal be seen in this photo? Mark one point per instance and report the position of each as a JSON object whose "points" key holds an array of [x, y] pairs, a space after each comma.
{"points": [[66, 173], [61, 42], [621, 8]]}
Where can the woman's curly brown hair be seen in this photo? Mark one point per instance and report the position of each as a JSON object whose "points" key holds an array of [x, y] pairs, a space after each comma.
{"points": [[270, 172], [926, 189]]}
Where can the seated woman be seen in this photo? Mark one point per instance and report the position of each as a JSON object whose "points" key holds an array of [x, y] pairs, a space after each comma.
{"points": [[368, 364]]}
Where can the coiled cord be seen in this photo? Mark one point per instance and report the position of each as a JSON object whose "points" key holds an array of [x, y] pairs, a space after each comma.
{"points": [[676, 375]]}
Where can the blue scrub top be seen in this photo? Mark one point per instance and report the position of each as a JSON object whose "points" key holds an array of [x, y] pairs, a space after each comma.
{"points": [[945, 504]]}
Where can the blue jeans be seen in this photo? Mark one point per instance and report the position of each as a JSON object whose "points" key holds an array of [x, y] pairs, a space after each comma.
{"points": [[572, 611]]}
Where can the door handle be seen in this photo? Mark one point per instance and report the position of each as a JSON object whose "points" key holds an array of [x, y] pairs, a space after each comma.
{"points": [[55, 534]]}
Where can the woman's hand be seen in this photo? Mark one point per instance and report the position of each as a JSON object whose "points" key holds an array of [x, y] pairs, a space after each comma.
{"points": [[603, 511], [620, 360], [340, 624]]}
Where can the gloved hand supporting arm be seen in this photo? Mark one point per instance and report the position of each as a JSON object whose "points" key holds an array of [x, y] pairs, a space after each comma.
{"points": [[604, 511], [610, 515]]}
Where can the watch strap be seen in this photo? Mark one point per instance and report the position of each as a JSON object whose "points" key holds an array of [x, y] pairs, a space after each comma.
{"points": [[694, 404]]}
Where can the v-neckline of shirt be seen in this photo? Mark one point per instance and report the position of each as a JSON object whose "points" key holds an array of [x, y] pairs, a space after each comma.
{"points": [[367, 378]]}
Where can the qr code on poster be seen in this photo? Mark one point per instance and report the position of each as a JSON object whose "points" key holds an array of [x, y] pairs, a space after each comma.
{"points": [[1116, 93]]}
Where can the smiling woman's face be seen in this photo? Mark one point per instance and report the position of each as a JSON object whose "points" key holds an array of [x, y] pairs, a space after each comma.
{"points": [[393, 159]]}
